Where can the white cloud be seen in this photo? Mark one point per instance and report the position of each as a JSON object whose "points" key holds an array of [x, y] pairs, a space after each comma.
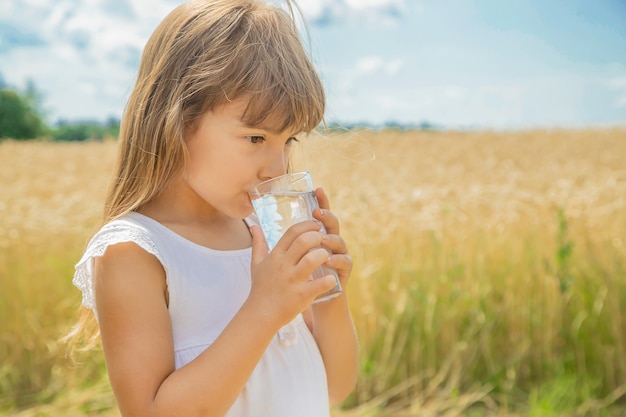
{"points": [[369, 64], [619, 85], [394, 66], [455, 92], [56, 16], [375, 64], [36, 3], [328, 12], [152, 12], [373, 4], [451, 105], [89, 52], [314, 8], [87, 61], [83, 55]]}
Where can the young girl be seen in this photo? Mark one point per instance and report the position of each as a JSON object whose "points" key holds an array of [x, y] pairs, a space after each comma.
{"points": [[195, 316]]}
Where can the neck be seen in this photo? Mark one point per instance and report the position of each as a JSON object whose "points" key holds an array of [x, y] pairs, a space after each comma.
{"points": [[178, 203], [183, 211]]}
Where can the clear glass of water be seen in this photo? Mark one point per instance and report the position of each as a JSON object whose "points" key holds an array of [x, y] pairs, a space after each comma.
{"points": [[282, 202]]}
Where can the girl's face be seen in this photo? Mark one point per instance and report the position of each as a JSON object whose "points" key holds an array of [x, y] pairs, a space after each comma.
{"points": [[228, 158]]}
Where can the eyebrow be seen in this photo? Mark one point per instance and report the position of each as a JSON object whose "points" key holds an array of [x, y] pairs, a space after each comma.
{"points": [[267, 129]]}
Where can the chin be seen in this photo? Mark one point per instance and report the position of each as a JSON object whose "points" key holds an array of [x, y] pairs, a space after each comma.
{"points": [[244, 212]]}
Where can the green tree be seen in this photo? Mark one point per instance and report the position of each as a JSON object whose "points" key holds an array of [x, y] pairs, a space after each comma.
{"points": [[19, 116], [86, 129]]}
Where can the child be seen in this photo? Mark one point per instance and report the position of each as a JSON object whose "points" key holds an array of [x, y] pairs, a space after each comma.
{"points": [[195, 316]]}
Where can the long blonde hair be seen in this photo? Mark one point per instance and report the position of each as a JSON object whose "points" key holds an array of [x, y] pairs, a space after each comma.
{"points": [[204, 54]]}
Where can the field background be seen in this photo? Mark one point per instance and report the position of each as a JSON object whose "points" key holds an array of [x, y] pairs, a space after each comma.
{"points": [[489, 273]]}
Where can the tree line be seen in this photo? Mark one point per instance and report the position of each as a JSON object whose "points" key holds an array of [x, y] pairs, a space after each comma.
{"points": [[21, 118]]}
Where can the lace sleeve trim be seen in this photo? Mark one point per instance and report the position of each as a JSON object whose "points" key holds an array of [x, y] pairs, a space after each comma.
{"points": [[109, 235]]}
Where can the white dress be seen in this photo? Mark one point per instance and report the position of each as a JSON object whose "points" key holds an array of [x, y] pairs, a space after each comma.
{"points": [[206, 289]]}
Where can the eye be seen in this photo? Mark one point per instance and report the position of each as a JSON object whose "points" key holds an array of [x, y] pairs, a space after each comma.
{"points": [[255, 138], [291, 140]]}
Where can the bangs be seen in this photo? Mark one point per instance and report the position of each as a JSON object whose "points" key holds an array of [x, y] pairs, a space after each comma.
{"points": [[272, 69]]}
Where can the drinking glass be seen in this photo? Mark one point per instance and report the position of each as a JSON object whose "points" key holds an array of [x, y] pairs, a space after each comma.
{"points": [[282, 202]]}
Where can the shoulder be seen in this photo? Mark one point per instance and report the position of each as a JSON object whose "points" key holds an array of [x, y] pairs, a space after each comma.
{"points": [[130, 228], [122, 243], [126, 270]]}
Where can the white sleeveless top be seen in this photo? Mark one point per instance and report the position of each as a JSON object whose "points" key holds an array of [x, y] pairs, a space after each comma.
{"points": [[206, 289]]}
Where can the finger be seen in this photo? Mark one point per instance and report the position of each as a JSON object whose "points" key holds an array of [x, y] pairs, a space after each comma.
{"points": [[294, 232], [334, 243], [304, 248], [322, 198], [328, 219], [323, 214], [259, 245], [342, 263], [321, 285], [310, 261]]}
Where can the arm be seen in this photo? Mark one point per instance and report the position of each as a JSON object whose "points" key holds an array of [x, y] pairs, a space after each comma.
{"points": [[331, 322], [136, 329]]}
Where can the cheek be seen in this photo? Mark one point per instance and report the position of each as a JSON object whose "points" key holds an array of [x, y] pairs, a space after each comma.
{"points": [[202, 158]]}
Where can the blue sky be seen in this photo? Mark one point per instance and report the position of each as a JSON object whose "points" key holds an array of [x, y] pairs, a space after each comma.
{"points": [[496, 64]]}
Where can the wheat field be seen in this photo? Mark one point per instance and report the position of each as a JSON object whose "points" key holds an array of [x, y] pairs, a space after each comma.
{"points": [[489, 273]]}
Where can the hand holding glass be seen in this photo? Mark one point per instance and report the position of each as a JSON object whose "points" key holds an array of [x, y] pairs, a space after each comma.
{"points": [[282, 202]]}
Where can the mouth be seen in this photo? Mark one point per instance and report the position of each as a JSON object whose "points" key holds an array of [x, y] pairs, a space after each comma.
{"points": [[249, 200]]}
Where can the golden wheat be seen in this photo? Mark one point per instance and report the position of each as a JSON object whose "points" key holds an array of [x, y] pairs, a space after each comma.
{"points": [[481, 258]]}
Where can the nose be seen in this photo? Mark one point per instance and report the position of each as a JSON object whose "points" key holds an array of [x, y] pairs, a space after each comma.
{"points": [[275, 165]]}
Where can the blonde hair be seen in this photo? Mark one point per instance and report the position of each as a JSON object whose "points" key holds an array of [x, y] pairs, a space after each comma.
{"points": [[204, 54]]}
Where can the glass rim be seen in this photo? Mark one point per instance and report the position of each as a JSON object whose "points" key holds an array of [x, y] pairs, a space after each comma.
{"points": [[260, 188]]}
